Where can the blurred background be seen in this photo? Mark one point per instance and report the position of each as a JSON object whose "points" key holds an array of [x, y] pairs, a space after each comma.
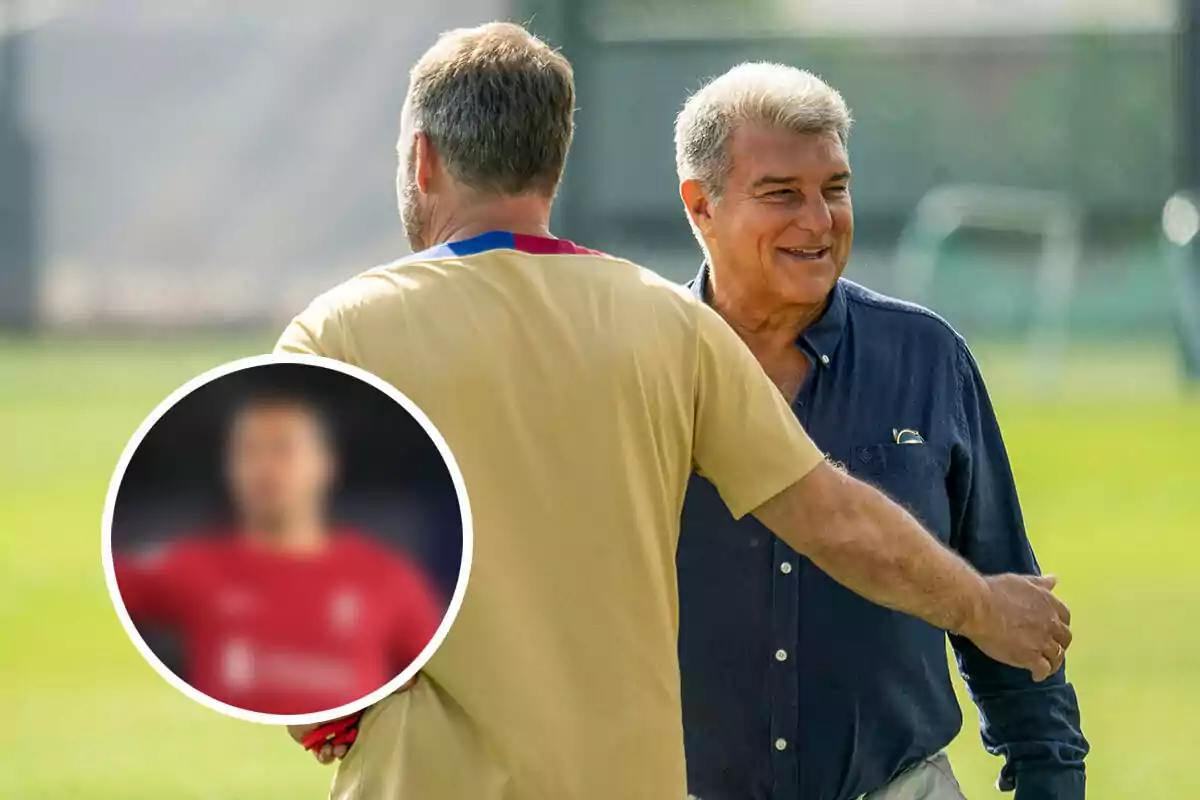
{"points": [[178, 179]]}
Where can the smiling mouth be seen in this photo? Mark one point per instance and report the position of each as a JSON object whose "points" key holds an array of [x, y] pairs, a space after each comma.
{"points": [[805, 253]]}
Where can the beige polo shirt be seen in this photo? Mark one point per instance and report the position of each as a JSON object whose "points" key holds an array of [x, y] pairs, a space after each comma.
{"points": [[577, 392]]}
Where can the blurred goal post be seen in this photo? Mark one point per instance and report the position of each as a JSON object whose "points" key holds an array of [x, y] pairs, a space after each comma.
{"points": [[1053, 217], [1181, 256]]}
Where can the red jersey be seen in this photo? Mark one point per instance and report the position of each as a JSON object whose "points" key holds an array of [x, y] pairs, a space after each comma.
{"points": [[284, 633]]}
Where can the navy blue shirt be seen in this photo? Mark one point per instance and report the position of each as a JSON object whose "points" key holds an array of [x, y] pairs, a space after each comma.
{"points": [[795, 688]]}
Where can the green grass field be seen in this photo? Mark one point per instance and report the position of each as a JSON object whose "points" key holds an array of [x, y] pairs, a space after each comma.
{"points": [[1109, 478]]}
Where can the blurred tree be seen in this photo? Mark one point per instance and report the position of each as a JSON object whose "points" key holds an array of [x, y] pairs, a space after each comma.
{"points": [[1189, 178], [671, 19], [18, 217], [1189, 84]]}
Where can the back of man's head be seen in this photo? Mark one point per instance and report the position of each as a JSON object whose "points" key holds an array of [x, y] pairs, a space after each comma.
{"points": [[497, 104]]}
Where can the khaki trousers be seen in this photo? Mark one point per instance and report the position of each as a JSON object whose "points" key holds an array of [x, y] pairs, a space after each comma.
{"points": [[931, 779]]}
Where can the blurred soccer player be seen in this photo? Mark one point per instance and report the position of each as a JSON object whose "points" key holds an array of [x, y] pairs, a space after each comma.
{"points": [[577, 390], [285, 612]]}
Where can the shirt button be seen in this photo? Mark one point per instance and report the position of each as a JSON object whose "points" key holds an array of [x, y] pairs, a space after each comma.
{"points": [[781, 655], [825, 359], [781, 744], [785, 568]]}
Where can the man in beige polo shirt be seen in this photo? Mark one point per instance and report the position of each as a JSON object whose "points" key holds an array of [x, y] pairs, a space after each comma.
{"points": [[577, 392]]}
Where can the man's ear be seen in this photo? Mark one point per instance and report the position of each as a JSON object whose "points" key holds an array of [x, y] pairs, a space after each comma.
{"points": [[697, 202], [426, 161]]}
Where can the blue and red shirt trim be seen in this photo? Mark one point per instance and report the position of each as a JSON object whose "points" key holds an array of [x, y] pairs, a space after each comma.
{"points": [[505, 240]]}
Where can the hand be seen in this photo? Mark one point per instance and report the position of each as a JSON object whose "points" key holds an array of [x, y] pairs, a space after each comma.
{"points": [[328, 753], [1022, 624]]}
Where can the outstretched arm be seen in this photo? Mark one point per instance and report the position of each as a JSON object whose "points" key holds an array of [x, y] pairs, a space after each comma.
{"points": [[875, 548], [749, 444]]}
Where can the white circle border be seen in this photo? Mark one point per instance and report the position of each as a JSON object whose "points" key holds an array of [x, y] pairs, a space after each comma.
{"points": [[464, 506]]}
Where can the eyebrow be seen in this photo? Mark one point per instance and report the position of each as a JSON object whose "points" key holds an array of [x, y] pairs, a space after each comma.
{"points": [[775, 180]]}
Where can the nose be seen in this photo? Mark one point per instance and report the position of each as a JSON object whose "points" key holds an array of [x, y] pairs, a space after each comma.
{"points": [[814, 216]]}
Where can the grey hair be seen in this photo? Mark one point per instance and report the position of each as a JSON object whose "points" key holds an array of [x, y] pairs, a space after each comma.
{"points": [[774, 95], [498, 105]]}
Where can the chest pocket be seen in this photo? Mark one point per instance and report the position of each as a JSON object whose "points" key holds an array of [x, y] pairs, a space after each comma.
{"points": [[914, 475]]}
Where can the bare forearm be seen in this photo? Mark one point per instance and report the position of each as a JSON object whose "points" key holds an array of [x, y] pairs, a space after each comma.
{"points": [[875, 548]]}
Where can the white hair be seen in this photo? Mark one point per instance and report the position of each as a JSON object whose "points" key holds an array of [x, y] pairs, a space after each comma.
{"points": [[773, 95]]}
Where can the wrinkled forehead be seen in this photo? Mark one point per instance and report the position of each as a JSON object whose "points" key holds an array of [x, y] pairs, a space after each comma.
{"points": [[759, 153]]}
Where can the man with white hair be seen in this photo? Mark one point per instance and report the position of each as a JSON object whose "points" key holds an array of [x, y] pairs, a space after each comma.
{"points": [[794, 687], [576, 391]]}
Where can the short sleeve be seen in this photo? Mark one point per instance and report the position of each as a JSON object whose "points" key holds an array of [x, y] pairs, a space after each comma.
{"points": [[317, 331], [747, 440], [150, 581]]}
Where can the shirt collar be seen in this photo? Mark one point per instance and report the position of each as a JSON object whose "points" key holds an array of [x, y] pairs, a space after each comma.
{"points": [[821, 339], [502, 240]]}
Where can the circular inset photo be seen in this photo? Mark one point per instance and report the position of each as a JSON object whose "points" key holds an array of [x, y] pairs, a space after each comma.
{"points": [[287, 539]]}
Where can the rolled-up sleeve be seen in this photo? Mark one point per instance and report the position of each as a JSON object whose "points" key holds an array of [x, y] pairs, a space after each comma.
{"points": [[1034, 726], [316, 331]]}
